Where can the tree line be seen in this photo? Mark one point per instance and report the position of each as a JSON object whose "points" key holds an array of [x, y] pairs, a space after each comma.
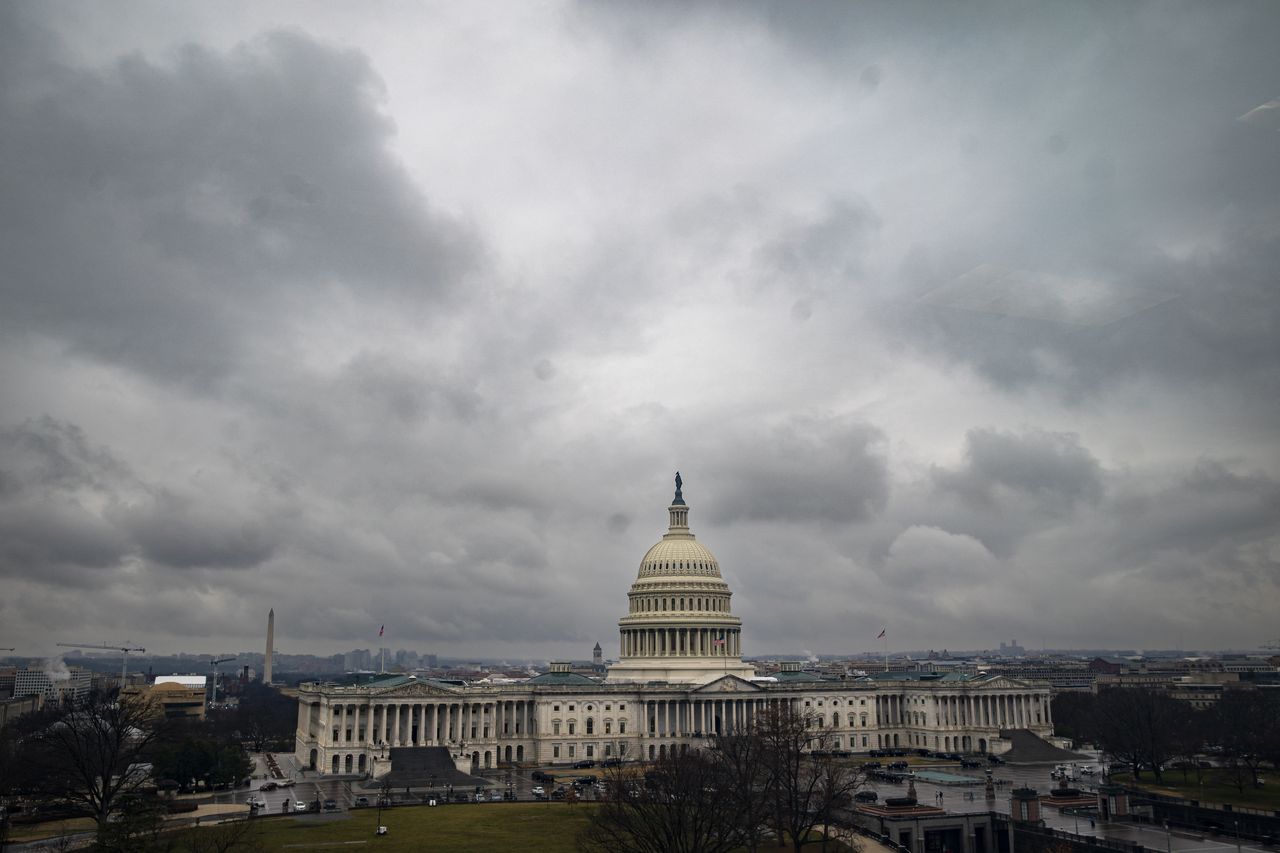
{"points": [[112, 756], [775, 780], [1153, 732]]}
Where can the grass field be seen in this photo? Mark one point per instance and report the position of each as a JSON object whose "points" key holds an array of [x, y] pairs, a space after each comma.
{"points": [[533, 827], [1219, 787], [546, 828]]}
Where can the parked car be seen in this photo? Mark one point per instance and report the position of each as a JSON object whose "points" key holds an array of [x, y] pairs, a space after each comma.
{"points": [[299, 806], [584, 765], [362, 801], [331, 805], [255, 802], [539, 791], [495, 796], [268, 786], [539, 776], [866, 797], [285, 783]]}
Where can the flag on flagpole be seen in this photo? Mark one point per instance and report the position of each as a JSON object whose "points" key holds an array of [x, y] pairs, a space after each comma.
{"points": [[380, 630], [881, 636], [719, 641]]}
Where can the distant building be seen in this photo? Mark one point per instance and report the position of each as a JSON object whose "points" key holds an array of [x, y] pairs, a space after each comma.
{"points": [[54, 684], [11, 709], [174, 695]]}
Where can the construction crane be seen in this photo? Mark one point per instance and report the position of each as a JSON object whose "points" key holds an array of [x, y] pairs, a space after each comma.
{"points": [[214, 663], [124, 667]]}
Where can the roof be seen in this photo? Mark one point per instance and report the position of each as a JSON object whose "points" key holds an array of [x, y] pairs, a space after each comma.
{"points": [[561, 679], [791, 677], [181, 680], [918, 676]]}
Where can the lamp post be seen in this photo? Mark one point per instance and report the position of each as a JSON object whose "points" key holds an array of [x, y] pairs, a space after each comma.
{"points": [[1168, 838], [1237, 823]]}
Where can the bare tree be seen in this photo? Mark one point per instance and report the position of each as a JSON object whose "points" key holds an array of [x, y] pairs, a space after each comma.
{"points": [[1137, 725], [680, 806], [94, 751], [807, 787], [741, 755]]}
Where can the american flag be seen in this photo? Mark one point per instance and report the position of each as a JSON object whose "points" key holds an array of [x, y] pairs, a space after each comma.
{"points": [[881, 635], [380, 630], [719, 641]]}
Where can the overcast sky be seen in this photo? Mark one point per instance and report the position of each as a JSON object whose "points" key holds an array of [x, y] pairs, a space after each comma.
{"points": [[959, 320]]}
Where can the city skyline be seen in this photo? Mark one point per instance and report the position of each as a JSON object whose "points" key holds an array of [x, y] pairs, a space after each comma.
{"points": [[957, 322]]}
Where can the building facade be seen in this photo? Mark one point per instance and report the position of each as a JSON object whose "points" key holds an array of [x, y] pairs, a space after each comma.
{"points": [[679, 681]]}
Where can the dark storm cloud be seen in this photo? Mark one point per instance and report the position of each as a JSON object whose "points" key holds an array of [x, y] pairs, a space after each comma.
{"points": [[805, 469], [1049, 469], [50, 475], [67, 503], [185, 532], [1211, 510], [176, 217]]}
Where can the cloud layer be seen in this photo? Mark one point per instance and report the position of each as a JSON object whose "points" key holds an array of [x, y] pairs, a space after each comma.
{"points": [[961, 322]]}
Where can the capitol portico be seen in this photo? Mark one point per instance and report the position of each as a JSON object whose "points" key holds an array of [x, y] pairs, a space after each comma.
{"points": [[679, 680]]}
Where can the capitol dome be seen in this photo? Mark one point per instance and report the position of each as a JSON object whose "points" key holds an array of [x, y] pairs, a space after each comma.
{"points": [[679, 626]]}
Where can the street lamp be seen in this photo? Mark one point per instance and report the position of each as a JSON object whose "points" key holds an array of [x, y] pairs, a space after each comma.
{"points": [[1237, 823], [1168, 838]]}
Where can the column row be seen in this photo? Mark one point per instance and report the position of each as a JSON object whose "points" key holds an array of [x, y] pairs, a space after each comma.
{"points": [[681, 642]]}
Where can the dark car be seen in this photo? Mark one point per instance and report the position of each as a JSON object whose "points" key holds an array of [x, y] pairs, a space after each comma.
{"points": [[331, 805], [558, 794], [866, 797], [584, 765], [539, 776], [611, 762]]}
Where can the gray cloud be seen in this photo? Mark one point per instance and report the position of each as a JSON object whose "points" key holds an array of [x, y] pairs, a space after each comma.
{"points": [[956, 320], [803, 470], [180, 217], [1051, 470]]}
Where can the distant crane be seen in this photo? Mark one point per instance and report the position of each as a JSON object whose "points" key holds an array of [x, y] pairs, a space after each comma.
{"points": [[214, 663], [124, 667]]}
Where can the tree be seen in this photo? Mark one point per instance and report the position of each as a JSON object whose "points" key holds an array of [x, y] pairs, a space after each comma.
{"points": [[1136, 725], [94, 752], [1244, 722], [680, 806], [807, 788], [741, 755], [263, 716], [1073, 715], [196, 759]]}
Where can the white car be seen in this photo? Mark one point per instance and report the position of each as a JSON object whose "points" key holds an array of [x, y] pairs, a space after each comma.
{"points": [[255, 802], [299, 806], [539, 791]]}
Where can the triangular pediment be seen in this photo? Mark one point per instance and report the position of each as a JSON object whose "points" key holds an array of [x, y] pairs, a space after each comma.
{"points": [[1004, 682], [727, 684], [417, 690]]}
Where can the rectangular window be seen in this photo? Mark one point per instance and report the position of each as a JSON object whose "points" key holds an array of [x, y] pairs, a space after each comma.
{"points": [[555, 750], [590, 750], [622, 727], [571, 750], [555, 727], [622, 706]]}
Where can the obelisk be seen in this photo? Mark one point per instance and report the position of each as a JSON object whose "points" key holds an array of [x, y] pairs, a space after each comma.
{"points": [[271, 637]]}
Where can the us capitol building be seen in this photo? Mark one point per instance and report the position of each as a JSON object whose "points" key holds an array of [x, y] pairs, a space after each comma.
{"points": [[680, 679]]}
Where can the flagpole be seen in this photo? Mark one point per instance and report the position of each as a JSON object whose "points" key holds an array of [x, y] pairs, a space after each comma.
{"points": [[885, 636]]}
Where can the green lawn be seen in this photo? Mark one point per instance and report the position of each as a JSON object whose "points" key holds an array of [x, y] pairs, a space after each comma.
{"points": [[549, 828], [1219, 787]]}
